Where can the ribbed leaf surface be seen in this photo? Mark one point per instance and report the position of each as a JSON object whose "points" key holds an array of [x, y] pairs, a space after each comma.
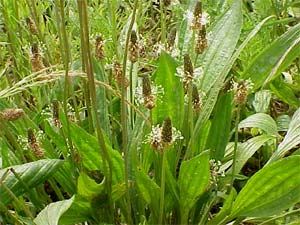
{"points": [[271, 190], [31, 174]]}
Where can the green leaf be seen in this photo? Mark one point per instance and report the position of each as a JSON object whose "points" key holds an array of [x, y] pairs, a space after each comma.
{"points": [[62, 176], [90, 189], [264, 7], [88, 148], [248, 148], [79, 211], [193, 179], [225, 210], [262, 66], [283, 122], [149, 190], [262, 101], [172, 103], [284, 92], [262, 121], [220, 128], [51, 214], [224, 37], [291, 139], [32, 174], [101, 96], [271, 190], [218, 59]]}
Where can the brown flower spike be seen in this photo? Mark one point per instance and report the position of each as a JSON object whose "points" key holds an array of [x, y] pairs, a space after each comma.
{"points": [[188, 72], [118, 71], [12, 114], [36, 58], [55, 114], [34, 145], [166, 133], [149, 98], [99, 48], [133, 47], [196, 24], [201, 42], [31, 26]]}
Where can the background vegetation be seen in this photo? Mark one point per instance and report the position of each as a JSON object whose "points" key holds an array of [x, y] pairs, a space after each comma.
{"points": [[149, 112]]}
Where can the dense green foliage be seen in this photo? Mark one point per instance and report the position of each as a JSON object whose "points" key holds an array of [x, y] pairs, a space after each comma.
{"points": [[149, 112]]}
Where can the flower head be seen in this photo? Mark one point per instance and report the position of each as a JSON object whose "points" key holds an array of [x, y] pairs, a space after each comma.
{"points": [[187, 77], [36, 59], [99, 48], [147, 94], [133, 47], [161, 137], [201, 42], [241, 89], [31, 26], [11, 114]]}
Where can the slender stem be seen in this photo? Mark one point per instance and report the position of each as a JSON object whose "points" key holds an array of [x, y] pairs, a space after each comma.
{"points": [[106, 158], [236, 138], [67, 89], [163, 22], [191, 118], [131, 95], [85, 84], [124, 112], [162, 187]]}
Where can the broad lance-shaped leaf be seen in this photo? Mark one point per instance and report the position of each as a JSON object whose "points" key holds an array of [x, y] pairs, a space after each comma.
{"points": [[247, 149], [149, 190], [284, 92], [79, 211], [51, 214], [262, 121], [193, 179], [262, 66], [291, 139], [88, 148], [220, 128], [90, 189], [271, 190], [218, 60], [224, 37], [171, 103], [31, 174], [262, 101]]}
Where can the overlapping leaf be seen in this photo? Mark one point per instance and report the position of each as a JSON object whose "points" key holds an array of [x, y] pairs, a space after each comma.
{"points": [[262, 121], [291, 139], [262, 66], [51, 214], [31, 174], [271, 190], [193, 178]]}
